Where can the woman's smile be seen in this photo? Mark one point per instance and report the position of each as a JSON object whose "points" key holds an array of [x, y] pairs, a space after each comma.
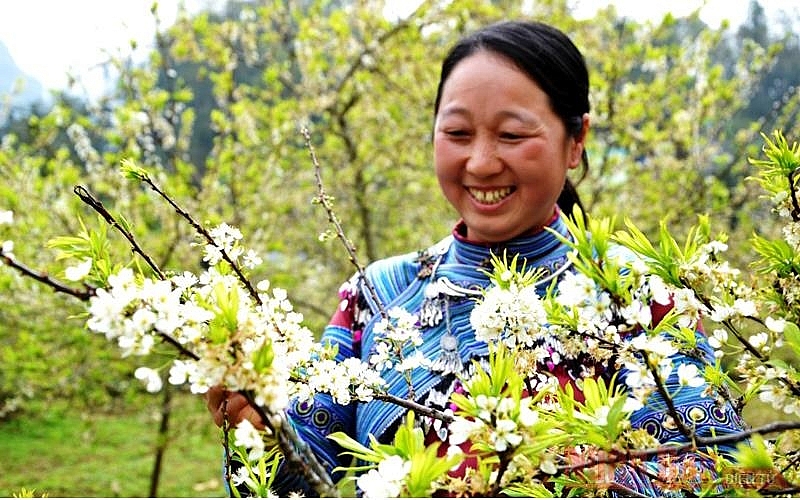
{"points": [[490, 196]]}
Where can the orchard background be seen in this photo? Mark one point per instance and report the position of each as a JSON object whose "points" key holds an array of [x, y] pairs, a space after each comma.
{"points": [[214, 114]]}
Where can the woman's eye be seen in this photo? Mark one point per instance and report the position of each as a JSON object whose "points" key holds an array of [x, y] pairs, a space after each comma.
{"points": [[457, 133], [509, 136]]}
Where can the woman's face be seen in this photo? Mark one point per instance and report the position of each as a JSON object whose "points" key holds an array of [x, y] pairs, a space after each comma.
{"points": [[501, 153]]}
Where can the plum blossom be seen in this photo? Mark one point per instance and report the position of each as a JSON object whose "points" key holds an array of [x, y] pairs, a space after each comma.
{"points": [[689, 375], [775, 325], [717, 339], [385, 481], [658, 346], [7, 248], [79, 271], [515, 314], [759, 340], [504, 435], [251, 260], [150, 377], [462, 429], [247, 436]]}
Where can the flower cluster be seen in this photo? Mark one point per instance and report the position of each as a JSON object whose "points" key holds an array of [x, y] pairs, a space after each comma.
{"points": [[345, 381], [386, 480], [514, 315], [501, 421], [226, 241], [237, 340], [396, 338]]}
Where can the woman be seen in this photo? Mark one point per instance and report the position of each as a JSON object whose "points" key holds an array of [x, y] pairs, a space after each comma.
{"points": [[511, 119]]}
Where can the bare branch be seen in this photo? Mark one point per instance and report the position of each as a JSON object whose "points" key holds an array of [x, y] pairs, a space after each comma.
{"points": [[98, 207], [324, 200], [84, 295]]}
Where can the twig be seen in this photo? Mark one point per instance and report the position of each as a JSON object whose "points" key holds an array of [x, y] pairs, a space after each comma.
{"points": [[727, 323], [87, 293], [324, 200], [671, 410], [404, 403], [205, 234], [226, 446], [418, 408], [624, 491], [505, 460], [793, 192], [98, 207], [296, 452], [615, 456]]}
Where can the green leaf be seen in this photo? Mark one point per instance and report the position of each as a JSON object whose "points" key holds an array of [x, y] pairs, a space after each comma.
{"points": [[791, 334], [132, 171], [263, 358], [355, 449]]}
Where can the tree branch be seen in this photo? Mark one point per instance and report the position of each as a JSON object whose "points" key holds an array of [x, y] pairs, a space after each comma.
{"points": [[84, 295]]}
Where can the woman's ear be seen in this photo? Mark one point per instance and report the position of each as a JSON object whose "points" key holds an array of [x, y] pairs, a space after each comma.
{"points": [[578, 142]]}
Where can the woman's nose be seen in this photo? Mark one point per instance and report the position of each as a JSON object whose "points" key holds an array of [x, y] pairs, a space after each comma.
{"points": [[483, 160]]}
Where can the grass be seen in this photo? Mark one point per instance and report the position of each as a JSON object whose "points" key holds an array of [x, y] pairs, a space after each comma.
{"points": [[69, 454]]}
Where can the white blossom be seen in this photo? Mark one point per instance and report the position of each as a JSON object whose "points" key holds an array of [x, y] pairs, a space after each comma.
{"points": [[385, 481], [775, 325], [150, 377], [718, 338], [504, 435], [79, 271], [6, 217], [759, 340], [638, 375], [515, 315], [745, 307], [247, 436], [689, 375], [461, 430], [7, 248], [654, 345], [251, 260]]}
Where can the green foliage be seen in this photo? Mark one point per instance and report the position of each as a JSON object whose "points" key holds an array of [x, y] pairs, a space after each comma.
{"points": [[600, 419], [425, 466], [26, 493]]}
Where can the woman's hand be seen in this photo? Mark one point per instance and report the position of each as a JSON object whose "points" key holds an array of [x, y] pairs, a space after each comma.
{"points": [[231, 406]]}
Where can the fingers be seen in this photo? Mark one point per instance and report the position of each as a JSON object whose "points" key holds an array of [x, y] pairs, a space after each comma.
{"points": [[214, 397], [232, 406], [238, 408], [250, 413]]}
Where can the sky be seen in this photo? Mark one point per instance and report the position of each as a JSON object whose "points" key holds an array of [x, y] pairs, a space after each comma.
{"points": [[50, 38]]}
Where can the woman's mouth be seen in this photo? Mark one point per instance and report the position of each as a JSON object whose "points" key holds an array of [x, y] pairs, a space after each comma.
{"points": [[490, 196]]}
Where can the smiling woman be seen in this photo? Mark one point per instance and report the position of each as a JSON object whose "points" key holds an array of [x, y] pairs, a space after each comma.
{"points": [[511, 117]]}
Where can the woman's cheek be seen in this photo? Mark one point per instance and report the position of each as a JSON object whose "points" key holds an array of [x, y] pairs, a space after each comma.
{"points": [[443, 157]]}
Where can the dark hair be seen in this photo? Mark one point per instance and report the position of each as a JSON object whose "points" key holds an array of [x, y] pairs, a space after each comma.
{"points": [[550, 59]]}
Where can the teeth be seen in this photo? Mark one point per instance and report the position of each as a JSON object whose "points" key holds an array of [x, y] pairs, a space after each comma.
{"points": [[490, 196]]}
